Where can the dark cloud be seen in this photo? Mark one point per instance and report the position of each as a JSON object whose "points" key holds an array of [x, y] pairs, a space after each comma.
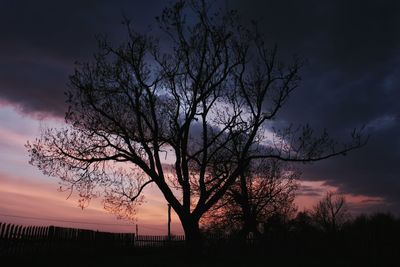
{"points": [[41, 40], [351, 78]]}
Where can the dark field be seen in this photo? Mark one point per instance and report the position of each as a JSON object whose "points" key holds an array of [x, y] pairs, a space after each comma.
{"points": [[294, 252], [366, 241], [165, 257]]}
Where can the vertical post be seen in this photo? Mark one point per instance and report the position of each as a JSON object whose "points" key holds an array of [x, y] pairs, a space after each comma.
{"points": [[169, 222], [137, 231]]}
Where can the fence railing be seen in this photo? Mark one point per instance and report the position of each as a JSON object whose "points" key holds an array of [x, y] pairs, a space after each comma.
{"points": [[21, 240], [16, 239], [159, 241]]}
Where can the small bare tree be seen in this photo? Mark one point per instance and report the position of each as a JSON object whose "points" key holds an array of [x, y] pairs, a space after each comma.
{"points": [[202, 99], [265, 190], [331, 212]]}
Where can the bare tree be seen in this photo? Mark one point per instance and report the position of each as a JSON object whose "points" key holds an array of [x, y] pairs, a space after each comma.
{"points": [[202, 99], [265, 190], [331, 212]]}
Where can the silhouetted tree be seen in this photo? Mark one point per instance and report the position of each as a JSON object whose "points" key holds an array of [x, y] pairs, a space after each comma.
{"points": [[202, 99], [303, 222], [265, 190], [331, 212], [379, 227]]}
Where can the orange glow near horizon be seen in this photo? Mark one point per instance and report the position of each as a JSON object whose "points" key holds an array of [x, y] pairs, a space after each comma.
{"points": [[28, 200], [41, 200], [307, 202], [26, 192]]}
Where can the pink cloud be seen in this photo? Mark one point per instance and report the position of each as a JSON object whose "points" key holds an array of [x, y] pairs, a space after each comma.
{"points": [[33, 199], [311, 192]]}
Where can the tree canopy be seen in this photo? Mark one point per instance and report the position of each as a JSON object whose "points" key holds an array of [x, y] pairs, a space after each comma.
{"points": [[266, 189], [203, 97]]}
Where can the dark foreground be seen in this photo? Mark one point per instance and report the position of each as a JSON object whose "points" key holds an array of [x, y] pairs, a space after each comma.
{"points": [[371, 241], [317, 255]]}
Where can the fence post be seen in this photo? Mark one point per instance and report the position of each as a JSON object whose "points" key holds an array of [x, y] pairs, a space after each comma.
{"points": [[1, 229], [19, 240]]}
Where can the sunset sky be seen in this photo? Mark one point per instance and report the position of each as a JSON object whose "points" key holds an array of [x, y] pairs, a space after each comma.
{"points": [[351, 78]]}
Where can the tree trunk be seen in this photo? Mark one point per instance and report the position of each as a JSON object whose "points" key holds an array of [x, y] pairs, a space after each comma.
{"points": [[193, 236], [249, 225]]}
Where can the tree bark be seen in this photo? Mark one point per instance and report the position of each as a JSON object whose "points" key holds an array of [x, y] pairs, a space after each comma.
{"points": [[193, 237], [249, 226]]}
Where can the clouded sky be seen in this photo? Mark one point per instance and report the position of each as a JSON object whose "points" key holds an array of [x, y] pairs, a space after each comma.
{"points": [[351, 78]]}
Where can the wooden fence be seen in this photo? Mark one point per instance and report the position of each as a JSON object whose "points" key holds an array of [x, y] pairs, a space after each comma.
{"points": [[159, 241], [17, 239], [21, 240]]}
